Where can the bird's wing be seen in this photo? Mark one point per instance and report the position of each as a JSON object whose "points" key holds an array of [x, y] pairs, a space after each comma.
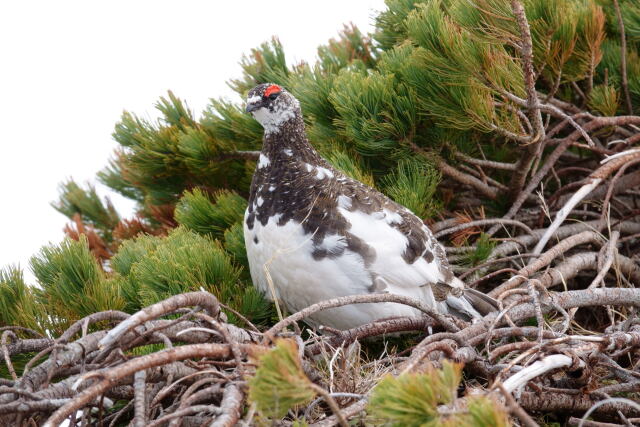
{"points": [[398, 251], [398, 246]]}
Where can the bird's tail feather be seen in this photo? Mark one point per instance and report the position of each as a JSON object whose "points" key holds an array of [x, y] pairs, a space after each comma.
{"points": [[471, 305], [483, 303]]}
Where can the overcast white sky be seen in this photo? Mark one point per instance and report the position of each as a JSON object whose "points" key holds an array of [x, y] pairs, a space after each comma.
{"points": [[69, 68]]}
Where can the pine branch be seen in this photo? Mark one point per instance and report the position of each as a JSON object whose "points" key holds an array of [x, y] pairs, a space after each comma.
{"points": [[461, 177], [623, 59], [526, 49], [533, 146], [486, 163], [467, 179]]}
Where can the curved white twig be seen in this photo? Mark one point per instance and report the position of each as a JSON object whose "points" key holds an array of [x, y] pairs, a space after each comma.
{"points": [[565, 211], [595, 179], [618, 155], [549, 363]]}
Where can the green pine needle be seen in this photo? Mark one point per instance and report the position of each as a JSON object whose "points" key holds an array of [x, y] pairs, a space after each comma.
{"points": [[18, 305], [72, 283], [390, 24], [234, 243], [631, 18], [230, 126], [86, 202], [485, 412], [184, 261], [197, 212], [351, 45], [412, 399], [265, 64], [413, 184], [604, 99], [484, 245], [375, 111], [152, 268], [280, 383], [351, 165]]}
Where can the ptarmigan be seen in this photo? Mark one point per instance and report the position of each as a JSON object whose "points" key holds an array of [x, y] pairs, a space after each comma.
{"points": [[316, 234]]}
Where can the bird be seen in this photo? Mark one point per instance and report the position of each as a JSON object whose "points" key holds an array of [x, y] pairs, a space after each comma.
{"points": [[313, 233]]}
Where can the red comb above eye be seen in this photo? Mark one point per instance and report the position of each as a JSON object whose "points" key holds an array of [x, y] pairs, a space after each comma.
{"points": [[272, 89]]}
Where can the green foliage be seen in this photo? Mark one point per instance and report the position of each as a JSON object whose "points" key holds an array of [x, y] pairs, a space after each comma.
{"points": [[280, 383], [197, 212], [112, 177], [72, 283], [151, 158], [631, 17], [413, 400], [375, 112], [182, 262], [609, 69], [86, 203], [484, 412], [413, 184], [229, 125], [351, 165], [604, 99], [456, 74], [163, 159], [566, 35], [484, 245], [234, 243], [351, 45], [152, 268], [17, 301], [131, 252], [265, 64], [312, 87], [590, 22], [390, 24], [553, 31]]}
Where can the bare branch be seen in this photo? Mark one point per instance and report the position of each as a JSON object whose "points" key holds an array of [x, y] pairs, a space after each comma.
{"points": [[623, 59], [361, 299], [595, 179], [203, 299], [482, 222], [486, 163]]}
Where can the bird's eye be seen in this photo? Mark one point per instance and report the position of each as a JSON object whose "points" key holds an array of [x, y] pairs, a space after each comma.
{"points": [[274, 96]]}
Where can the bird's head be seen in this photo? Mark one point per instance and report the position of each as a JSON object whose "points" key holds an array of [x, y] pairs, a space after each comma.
{"points": [[272, 106]]}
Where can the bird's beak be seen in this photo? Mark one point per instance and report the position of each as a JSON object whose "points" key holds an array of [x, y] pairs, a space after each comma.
{"points": [[253, 106]]}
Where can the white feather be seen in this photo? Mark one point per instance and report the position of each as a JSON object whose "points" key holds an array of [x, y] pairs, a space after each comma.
{"points": [[333, 244], [263, 161], [272, 120], [389, 244], [344, 202], [323, 172], [300, 280]]}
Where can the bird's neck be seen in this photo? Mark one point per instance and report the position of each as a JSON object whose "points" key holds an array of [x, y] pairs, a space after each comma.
{"points": [[289, 141]]}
